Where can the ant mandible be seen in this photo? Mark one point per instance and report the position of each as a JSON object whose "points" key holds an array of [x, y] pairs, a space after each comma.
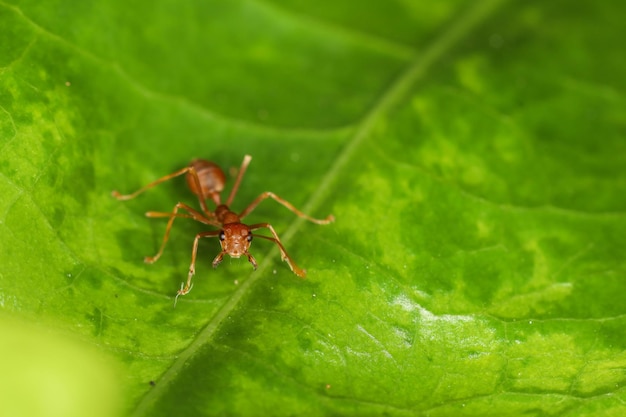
{"points": [[206, 180]]}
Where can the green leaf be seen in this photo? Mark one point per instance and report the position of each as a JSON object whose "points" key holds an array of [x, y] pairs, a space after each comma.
{"points": [[472, 153]]}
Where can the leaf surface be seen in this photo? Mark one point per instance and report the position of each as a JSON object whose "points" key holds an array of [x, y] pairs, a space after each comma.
{"points": [[472, 153]]}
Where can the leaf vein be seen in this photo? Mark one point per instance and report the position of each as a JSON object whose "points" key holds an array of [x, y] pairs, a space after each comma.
{"points": [[365, 40]]}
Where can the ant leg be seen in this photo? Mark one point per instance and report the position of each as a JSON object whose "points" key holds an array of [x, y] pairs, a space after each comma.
{"points": [[193, 214], [192, 268], [268, 194], [124, 197], [242, 170], [283, 253], [187, 170]]}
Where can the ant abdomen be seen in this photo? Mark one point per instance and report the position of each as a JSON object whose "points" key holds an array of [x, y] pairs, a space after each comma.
{"points": [[211, 180]]}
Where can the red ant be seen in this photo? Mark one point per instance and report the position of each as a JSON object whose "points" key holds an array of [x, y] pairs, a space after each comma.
{"points": [[206, 180]]}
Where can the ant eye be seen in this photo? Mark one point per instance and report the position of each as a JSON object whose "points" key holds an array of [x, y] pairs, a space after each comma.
{"points": [[222, 235], [249, 237]]}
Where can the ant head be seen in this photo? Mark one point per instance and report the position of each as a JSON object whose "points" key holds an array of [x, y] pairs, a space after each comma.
{"points": [[235, 239]]}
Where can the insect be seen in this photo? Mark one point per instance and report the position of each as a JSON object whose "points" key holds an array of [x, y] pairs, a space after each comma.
{"points": [[206, 181]]}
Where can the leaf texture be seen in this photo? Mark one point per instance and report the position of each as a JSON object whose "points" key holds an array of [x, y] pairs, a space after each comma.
{"points": [[472, 154]]}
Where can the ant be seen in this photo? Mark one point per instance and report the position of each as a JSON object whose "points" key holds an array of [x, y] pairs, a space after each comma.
{"points": [[206, 180]]}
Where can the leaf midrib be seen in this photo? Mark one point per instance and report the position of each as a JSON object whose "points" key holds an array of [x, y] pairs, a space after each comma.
{"points": [[393, 95]]}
